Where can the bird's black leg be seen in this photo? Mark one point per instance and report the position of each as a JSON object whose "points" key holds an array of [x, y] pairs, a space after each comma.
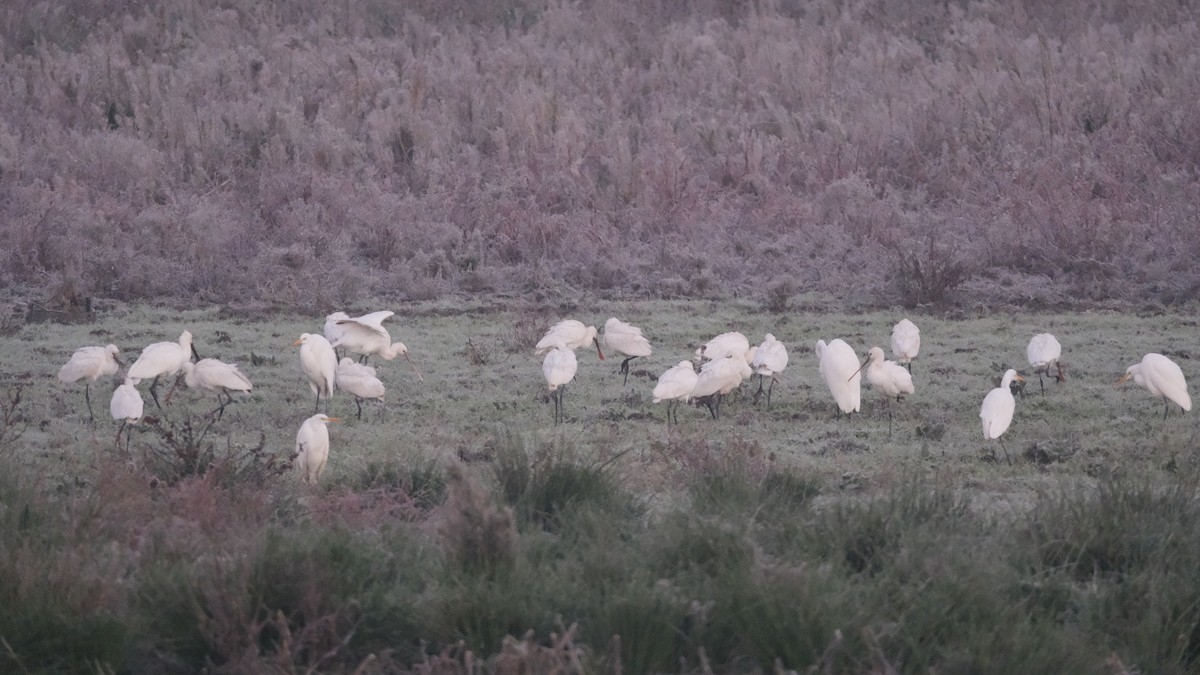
{"points": [[317, 403], [758, 394], [769, 390], [1005, 449], [154, 392], [625, 367], [889, 408], [720, 397], [1041, 384], [909, 364], [87, 396], [708, 403], [358, 402], [117, 441]]}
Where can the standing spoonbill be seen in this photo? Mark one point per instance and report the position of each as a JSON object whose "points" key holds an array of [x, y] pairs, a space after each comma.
{"points": [[312, 447], [718, 378], [162, 358], [674, 386], [559, 367], [996, 413], [90, 364], [319, 364], [1043, 353], [1162, 377], [217, 376], [571, 333], [888, 377], [126, 406], [627, 340], [838, 366], [359, 381], [906, 342], [770, 359]]}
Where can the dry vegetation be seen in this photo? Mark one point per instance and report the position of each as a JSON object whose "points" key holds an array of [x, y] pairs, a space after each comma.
{"points": [[914, 152]]}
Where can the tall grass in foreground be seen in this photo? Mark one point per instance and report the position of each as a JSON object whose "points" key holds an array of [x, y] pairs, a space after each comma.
{"points": [[543, 559]]}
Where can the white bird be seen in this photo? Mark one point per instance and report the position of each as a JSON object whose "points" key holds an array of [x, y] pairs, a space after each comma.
{"points": [[770, 359], [319, 364], [366, 335], [217, 376], [91, 364], [571, 333], [1162, 377], [559, 367], [358, 380], [162, 358], [888, 377], [674, 386], [1043, 353], [724, 345], [838, 364], [718, 378], [126, 406], [332, 331], [312, 446], [906, 342], [996, 413], [627, 340]]}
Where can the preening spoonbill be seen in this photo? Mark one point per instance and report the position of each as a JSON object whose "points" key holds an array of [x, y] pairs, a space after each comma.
{"points": [[838, 364], [319, 364], [626, 340], [674, 386], [217, 376], [888, 377], [366, 335], [906, 342], [719, 377], [996, 413], [332, 331], [162, 358], [312, 446], [1162, 377], [559, 367], [770, 359], [359, 381], [724, 345], [91, 364], [126, 406], [571, 333], [1043, 353]]}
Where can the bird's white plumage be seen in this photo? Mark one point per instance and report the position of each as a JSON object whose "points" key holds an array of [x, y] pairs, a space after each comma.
{"points": [[624, 338], [1043, 350], [996, 413], [366, 335], [906, 341], [161, 358], [1162, 377], [571, 333], [318, 362], [312, 447], [888, 377], [215, 375], [721, 376], [333, 332], [770, 358], [838, 364], [677, 383], [127, 404], [359, 380], [90, 363], [559, 366], [723, 345]]}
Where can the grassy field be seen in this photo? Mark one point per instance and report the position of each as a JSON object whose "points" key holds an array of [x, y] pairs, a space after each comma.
{"points": [[456, 511]]}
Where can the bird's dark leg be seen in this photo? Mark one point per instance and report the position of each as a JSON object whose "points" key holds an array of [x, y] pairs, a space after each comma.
{"points": [[909, 364], [708, 403], [720, 398], [87, 396], [317, 403], [154, 392], [1166, 408], [117, 441], [358, 403], [889, 410], [1005, 449], [769, 390], [625, 367], [362, 359], [758, 394], [1041, 384]]}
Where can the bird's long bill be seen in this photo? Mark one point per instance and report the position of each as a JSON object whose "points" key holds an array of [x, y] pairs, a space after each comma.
{"points": [[414, 367], [596, 341], [864, 365], [1121, 381], [119, 362], [297, 342], [333, 419], [1018, 378]]}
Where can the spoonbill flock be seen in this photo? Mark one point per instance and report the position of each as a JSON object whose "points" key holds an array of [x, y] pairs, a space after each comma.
{"points": [[716, 369]]}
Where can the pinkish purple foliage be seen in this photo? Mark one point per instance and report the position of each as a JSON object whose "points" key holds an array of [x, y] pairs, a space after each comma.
{"points": [[304, 153]]}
